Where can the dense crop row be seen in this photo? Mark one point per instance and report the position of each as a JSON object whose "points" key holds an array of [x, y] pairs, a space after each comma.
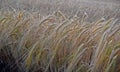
{"points": [[55, 43]]}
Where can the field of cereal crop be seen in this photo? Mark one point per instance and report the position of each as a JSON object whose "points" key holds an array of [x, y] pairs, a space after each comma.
{"points": [[59, 36]]}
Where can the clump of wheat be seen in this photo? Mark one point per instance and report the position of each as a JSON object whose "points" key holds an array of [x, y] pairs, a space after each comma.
{"points": [[56, 43]]}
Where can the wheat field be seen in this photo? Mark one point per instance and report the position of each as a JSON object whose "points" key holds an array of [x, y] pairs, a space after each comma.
{"points": [[31, 41]]}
